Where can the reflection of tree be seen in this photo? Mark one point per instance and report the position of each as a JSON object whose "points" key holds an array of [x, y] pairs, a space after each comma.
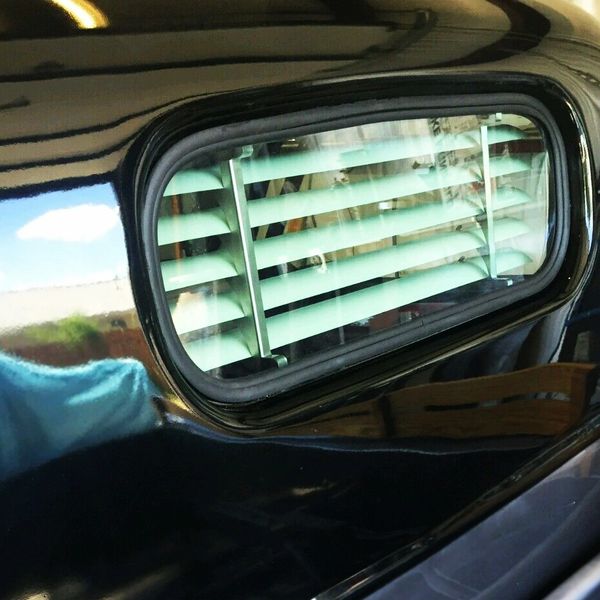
{"points": [[79, 339], [75, 330]]}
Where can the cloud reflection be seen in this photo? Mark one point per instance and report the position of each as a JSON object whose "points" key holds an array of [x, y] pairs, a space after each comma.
{"points": [[82, 223]]}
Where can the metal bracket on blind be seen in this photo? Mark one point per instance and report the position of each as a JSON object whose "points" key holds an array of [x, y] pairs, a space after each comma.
{"points": [[257, 336], [489, 202]]}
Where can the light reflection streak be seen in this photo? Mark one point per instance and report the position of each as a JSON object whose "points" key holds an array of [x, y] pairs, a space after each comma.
{"points": [[83, 12]]}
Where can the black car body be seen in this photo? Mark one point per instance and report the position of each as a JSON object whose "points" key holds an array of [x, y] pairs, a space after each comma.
{"points": [[142, 487]]}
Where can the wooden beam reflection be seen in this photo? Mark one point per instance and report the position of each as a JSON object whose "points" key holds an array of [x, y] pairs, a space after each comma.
{"points": [[543, 401]]}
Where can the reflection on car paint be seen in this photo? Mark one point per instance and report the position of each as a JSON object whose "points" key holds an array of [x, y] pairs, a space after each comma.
{"points": [[288, 501], [519, 548], [547, 400], [46, 412]]}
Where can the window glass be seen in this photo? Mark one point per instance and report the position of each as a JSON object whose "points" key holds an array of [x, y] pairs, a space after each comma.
{"points": [[276, 251]]}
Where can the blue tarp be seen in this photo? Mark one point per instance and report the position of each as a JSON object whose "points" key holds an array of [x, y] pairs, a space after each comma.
{"points": [[46, 412]]}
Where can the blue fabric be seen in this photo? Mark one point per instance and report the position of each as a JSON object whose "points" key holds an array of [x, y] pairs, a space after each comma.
{"points": [[46, 412]]}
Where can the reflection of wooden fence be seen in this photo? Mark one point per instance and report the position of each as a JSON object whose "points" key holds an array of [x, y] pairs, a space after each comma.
{"points": [[113, 344], [545, 400]]}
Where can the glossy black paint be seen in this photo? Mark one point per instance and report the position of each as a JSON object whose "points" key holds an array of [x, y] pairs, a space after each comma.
{"points": [[518, 552], [301, 493]]}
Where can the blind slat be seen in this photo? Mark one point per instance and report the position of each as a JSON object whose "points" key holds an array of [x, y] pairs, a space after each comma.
{"points": [[194, 180], [321, 160], [194, 270], [313, 242], [217, 350], [340, 197], [197, 312], [186, 272], [324, 316], [180, 228], [312, 281], [313, 202]]}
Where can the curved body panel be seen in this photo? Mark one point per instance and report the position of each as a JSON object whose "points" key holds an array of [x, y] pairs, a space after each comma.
{"points": [[117, 477]]}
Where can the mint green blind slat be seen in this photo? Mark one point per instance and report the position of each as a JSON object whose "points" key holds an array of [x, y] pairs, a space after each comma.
{"points": [[334, 159], [186, 272], [191, 226], [501, 134], [198, 312], [312, 281], [217, 350], [194, 180], [321, 160], [312, 242], [323, 316], [194, 270], [501, 166], [314, 202]]}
